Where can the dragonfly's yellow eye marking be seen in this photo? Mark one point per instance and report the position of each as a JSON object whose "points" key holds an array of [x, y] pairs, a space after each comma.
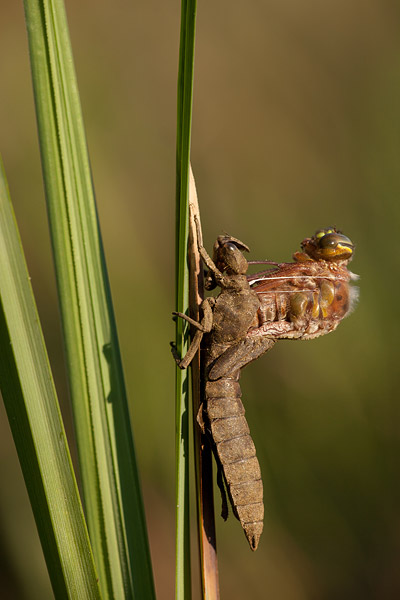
{"points": [[344, 248], [323, 232]]}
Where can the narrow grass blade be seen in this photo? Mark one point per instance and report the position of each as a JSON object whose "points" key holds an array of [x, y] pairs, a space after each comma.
{"points": [[32, 407], [112, 495], [184, 123]]}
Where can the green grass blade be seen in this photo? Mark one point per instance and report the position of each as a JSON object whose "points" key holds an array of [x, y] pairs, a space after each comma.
{"points": [[30, 399], [112, 495], [184, 123]]}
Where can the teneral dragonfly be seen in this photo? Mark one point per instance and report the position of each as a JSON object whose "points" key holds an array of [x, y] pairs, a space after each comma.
{"points": [[309, 297]]}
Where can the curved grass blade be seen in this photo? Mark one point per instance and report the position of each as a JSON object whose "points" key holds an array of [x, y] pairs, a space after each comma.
{"points": [[184, 123], [32, 407], [112, 495]]}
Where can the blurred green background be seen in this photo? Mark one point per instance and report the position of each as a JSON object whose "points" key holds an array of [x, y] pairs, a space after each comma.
{"points": [[296, 126]]}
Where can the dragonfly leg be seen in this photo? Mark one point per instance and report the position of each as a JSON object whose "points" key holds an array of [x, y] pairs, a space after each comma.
{"points": [[203, 327], [216, 273], [203, 252], [239, 355], [189, 320]]}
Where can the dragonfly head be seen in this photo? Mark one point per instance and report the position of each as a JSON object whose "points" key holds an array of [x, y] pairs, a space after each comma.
{"points": [[328, 244], [228, 255]]}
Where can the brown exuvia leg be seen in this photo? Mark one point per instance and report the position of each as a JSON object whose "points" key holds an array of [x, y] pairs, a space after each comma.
{"points": [[239, 355], [203, 327]]}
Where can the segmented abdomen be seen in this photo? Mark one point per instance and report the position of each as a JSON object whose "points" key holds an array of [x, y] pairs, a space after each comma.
{"points": [[224, 417], [311, 312], [303, 300]]}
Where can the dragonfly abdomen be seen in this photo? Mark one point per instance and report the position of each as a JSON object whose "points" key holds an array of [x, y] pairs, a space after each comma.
{"points": [[236, 453], [304, 311]]}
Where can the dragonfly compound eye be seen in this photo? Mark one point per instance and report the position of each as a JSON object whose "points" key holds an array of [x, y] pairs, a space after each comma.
{"points": [[329, 240], [335, 246], [328, 244]]}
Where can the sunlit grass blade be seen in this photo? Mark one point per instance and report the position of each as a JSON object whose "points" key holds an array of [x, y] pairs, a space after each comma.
{"points": [[32, 407], [112, 495], [184, 123]]}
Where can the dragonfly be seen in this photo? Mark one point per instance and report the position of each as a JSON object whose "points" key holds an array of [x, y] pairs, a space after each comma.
{"points": [[310, 296], [299, 300]]}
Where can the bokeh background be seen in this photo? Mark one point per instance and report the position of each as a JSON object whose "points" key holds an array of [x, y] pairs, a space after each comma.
{"points": [[296, 126]]}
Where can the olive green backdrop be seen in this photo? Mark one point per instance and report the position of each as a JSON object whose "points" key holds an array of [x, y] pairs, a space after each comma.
{"points": [[296, 127]]}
